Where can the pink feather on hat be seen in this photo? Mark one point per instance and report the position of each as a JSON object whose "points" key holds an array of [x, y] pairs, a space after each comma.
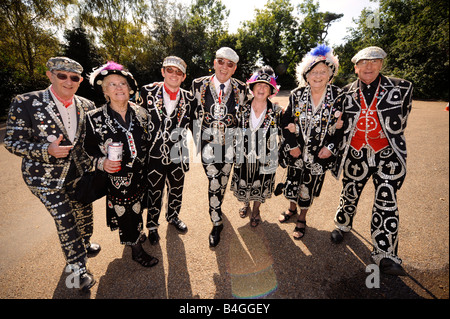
{"points": [[111, 65]]}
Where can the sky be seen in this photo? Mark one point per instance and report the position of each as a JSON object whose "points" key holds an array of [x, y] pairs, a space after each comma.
{"points": [[243, 10]]}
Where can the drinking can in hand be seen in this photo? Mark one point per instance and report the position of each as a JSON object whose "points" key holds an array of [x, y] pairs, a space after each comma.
{"points": [[115, 151]]}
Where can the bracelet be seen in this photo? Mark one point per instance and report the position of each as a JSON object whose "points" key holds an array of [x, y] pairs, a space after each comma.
{"points": [[100, 162]]}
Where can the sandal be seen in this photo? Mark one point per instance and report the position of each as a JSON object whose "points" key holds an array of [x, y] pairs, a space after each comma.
{"points": [[243, 211], [300, 230], [145, 259], [287, 216]]}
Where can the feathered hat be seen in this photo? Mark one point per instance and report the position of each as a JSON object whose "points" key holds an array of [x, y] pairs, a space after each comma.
{"points": [[97, 76], [321, 53], [264, 75]]}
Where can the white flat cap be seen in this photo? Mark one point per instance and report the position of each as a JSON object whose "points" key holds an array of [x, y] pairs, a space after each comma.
{"points": [[176, 62], [369, 53], [227, 53]]}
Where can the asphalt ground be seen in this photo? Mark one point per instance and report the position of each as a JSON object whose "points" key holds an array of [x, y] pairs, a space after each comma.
{"points": [[263, 262]]}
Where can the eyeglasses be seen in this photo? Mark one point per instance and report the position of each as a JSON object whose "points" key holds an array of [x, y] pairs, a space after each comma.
{"points": [[63, 77], [222, 62], [366, 62], [318, 73], [116, 85], [177, 72]]}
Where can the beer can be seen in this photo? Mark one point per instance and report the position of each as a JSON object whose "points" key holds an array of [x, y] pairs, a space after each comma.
{"points": [[115, 151]]}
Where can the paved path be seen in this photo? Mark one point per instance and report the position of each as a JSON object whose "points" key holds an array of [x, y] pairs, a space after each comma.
{"points": [[248, 262]]}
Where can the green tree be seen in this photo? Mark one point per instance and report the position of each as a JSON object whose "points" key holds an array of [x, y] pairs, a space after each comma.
{"points": [[80, 47], [26, 34], [278, 38], [415, 36], [168, 34], [206, 29], [420, 52], [266, 39], [193, 33], [116, 24], [27, 40]]}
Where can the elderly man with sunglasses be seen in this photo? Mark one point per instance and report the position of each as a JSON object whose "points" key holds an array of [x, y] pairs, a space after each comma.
{"points": [[219, 98], [46, 129], [376, 110], [170, 108]]}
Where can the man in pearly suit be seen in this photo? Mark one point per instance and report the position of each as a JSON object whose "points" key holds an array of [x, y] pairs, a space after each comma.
{"points": [[171, 111], [46, 129], [375, 112], [219, 98]]}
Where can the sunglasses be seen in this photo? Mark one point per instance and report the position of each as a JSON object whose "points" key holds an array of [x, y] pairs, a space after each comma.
{"points": [[177, 72], [222, 62], [63, 77]]}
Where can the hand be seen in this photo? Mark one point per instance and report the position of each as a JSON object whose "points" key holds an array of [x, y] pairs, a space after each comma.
{"points": [[112, 166], [58, 151], [295, 153], [324, 153], [291, 127], [339, 123]]}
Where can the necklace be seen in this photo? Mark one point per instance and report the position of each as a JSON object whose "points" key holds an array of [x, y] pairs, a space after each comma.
{"points": [[258, 108], [119, 109]]}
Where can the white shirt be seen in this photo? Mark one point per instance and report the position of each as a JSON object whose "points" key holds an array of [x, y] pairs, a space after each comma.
{"points": [[68, 116], [217, 85], [256, 120]]}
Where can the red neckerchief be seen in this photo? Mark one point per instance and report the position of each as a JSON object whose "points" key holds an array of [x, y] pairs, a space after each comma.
{"points": [[66, 103], [173, 95]]}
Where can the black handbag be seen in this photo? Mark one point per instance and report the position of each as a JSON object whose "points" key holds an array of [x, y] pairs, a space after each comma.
{"points": [[91, 186]]}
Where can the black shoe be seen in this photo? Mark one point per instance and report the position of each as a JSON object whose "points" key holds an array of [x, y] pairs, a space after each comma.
{"points": [[93, 249], [390, 267], [142, 238], [179, 225], [153, 236], [214, 237], [87, 281], [337, 236]]}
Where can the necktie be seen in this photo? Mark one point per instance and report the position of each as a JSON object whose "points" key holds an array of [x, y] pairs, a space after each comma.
{"points": [[222, 89]]}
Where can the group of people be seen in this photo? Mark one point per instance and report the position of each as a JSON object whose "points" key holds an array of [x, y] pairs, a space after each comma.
{"points": [[357, 130]]}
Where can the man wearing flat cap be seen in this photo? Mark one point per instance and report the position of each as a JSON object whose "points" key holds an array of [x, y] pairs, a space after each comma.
{"points": [[171, 111], [46, 129], [376, 110], [218, 97]]}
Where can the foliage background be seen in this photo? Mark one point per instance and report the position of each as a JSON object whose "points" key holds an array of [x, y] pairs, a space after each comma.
{"points": [[140, 33]]}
